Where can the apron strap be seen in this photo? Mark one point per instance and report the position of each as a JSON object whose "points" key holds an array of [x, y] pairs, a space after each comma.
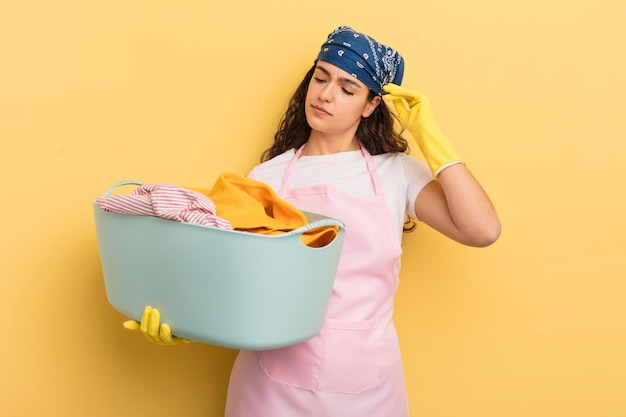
{"points": [[284, 187], [369, 161]]}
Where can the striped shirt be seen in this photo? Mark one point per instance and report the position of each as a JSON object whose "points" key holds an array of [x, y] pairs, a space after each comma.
{"points": [[168, 202]]}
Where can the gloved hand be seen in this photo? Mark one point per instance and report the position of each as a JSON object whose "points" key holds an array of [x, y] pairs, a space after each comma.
{"points": [[418, 119], [151, 327]]}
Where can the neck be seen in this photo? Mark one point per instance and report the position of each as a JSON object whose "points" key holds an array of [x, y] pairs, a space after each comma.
{"points": [[320, 144]]}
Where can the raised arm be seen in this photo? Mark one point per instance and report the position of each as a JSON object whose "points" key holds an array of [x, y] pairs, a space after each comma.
{"points": [[454, 203]]}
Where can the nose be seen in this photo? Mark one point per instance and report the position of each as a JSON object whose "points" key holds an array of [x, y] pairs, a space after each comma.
{"points": [[326, 93]]}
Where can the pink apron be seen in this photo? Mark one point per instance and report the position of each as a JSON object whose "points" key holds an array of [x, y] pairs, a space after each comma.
{"points": [[358, 337]]}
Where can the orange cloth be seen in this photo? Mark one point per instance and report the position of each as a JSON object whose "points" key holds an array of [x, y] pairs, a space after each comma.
{"points": [[253, 206]]}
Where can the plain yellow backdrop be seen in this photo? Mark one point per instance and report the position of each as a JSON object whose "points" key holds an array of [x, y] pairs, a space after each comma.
{"points": [[531, 93]]}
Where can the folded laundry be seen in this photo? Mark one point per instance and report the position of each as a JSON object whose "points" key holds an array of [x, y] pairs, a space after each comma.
{"points": [[166, 201]]}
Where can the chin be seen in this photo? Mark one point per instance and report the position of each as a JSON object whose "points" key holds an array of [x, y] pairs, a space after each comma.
{"points": [[313, 123]]}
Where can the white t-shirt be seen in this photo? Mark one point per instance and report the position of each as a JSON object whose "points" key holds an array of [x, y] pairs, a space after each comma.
{"points": [[401, 175]]}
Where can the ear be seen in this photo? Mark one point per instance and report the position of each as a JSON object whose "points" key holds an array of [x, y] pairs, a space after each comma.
{"points": [[370, 106]]}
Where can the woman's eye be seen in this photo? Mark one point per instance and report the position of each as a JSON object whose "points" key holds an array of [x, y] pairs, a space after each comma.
{"points": [[350, 93], [319, 80]]}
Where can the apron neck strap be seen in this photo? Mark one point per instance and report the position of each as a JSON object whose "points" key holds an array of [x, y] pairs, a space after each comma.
{"points": [[369, 161]]}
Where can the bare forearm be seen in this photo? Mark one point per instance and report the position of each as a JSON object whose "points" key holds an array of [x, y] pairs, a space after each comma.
{"points": [[469, 207]]}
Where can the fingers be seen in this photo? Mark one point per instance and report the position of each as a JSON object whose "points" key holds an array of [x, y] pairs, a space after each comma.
{"points": [[145, 318], [393, 89], [166, 334], [132, 325], [150, 323], [169, 339], [400, 107], [153, 326], [403, 104], [394, 98], [396, 92], [397, 95]]}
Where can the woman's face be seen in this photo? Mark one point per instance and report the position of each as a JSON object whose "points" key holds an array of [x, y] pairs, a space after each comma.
{"points": [[336, 101]]}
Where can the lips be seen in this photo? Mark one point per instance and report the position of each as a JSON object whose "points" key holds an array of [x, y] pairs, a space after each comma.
{"points": [[320, 109]]}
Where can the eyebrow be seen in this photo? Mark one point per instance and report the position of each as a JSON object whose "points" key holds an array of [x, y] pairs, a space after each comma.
{"points": [[350, 81]]}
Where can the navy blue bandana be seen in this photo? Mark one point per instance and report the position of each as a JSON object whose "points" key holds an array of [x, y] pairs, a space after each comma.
{"points": [[369, 61]]}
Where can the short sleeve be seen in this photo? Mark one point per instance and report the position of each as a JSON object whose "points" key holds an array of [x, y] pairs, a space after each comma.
{"points": [[417, 175]]}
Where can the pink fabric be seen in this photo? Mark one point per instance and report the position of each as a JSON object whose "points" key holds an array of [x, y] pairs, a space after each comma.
{"points": [[352, 368], [168, 202]]}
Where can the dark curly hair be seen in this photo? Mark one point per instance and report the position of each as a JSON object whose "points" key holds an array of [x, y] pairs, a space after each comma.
{"points": [[376, 132]]}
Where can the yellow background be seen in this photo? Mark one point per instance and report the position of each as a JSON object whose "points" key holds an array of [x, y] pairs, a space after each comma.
{"points": [[532, 93]]}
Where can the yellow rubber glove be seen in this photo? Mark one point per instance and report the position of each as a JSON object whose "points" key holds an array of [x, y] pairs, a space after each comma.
{"points": [[153, 330], [418, 119]]}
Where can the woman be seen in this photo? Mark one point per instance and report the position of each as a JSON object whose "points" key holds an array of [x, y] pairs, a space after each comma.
{"points": [[336, 153]]}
